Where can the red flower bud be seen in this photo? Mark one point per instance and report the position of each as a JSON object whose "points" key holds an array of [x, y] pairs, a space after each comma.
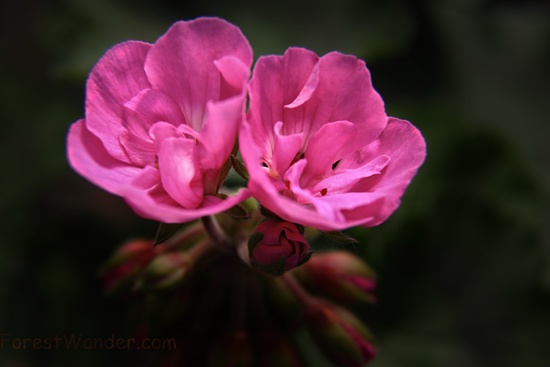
{"points": [[340, 335], [165, 271], [277, 246], [122, 269], [339, 275]]}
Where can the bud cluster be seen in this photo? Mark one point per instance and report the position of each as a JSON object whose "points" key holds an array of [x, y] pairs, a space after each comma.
{"points": [[250, 307], [140, 265]]}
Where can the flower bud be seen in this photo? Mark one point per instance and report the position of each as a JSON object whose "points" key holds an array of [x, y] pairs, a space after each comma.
{"points": [[339, 334], [277, 246], [339, 275], [122, 269], [165, 271]]}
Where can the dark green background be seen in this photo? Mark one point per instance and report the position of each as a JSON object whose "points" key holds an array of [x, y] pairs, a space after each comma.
{"points": [[464, 264]]}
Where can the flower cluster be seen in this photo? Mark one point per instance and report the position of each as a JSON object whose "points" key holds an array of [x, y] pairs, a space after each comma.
{"points": [[162, 122], [166, 122], [220, 312]]}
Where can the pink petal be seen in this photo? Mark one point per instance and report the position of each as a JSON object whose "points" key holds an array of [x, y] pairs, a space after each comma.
{"points": [[285, 149], [88, 157], [181, 63], [261, 184], [349, 209], [188, 132], [329, 144], [148, 178], [343, 180], [407, 148], [162, 131], [350, 200], [293, 180], [148, 107], [140, 152], [217, 139], [234, 75], [277, 81], [307, 90], [219, 132], [117, 77], [305, 196], [313, 92], [157, 205], [345, 93], [180, 176], [368, 214]]}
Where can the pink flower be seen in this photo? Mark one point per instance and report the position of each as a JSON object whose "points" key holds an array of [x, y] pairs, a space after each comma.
{"points": [[318, 145], [277, 246], [162, 119]]}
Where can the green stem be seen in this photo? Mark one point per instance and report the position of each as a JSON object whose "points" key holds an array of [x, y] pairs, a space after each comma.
{"points": [[301, 294], [217, 234]]}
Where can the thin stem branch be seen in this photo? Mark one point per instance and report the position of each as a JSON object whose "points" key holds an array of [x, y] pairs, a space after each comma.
{"points": [[217, 234], [301, 294]]}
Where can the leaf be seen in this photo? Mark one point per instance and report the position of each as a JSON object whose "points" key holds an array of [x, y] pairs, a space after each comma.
{"points": [[340, 238], [239, 167], [166, 231]]}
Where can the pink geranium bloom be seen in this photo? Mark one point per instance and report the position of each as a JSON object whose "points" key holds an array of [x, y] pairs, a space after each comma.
{"points": [[318, 145], [162, 119]]}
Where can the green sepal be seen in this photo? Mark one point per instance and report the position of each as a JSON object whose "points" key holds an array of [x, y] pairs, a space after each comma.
{"points": [[237, 212], [275, 269], [305, 257], [239, 167], [340, 238], [268, 213], [223, 173], [166, 231]]}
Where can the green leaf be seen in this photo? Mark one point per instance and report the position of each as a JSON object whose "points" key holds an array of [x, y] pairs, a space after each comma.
{"points": [[166, 231], [340, 238], [239, 167]]}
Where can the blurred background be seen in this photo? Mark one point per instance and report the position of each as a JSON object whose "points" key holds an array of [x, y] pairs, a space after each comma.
{"points": [[463, 265]]}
